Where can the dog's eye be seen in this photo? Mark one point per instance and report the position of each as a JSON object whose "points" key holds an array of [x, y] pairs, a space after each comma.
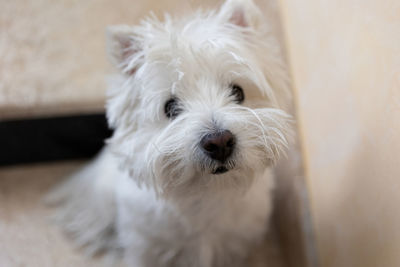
{"points": [[238, 93], [171, 108]]}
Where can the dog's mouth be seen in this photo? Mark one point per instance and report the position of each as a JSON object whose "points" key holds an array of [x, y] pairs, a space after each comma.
{"points": [[220, 170]]}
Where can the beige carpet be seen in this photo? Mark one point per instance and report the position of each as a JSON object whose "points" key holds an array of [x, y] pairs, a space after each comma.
{"points": [[52, 53], [27, 238]]}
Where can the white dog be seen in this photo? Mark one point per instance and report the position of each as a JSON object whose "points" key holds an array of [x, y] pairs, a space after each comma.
{"points": [[199, 120]]}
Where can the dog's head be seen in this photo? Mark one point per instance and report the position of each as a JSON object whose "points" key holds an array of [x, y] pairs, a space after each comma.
{"points": [[199, 101]]}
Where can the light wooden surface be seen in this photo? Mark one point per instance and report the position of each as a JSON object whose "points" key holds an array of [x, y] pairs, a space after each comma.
{"points": [[345, 58], [28, 238]]}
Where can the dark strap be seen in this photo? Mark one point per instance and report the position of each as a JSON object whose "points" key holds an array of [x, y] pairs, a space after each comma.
{"points": [[50, 139]]}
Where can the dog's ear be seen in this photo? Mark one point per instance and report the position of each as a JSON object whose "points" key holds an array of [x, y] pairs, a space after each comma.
{"points": [[123, 48], [242, 13]]}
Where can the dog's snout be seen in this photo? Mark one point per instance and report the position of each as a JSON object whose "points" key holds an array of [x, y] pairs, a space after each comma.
{"points": [[218, 145]]}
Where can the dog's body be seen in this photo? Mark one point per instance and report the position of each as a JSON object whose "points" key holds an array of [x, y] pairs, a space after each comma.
{"points": [[185, 180], [110, 213]]}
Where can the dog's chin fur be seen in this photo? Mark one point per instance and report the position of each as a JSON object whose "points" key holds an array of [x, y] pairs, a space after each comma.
{"points": [[153, 197]]}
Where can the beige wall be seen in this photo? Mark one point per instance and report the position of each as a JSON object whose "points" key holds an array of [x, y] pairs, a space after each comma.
{"points": [[345, 58]]}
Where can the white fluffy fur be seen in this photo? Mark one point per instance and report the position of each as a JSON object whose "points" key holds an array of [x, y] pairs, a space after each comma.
{"points": [[150, 197]]}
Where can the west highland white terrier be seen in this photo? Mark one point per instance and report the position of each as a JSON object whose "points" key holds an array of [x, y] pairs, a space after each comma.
{"points": [[198, 112]]}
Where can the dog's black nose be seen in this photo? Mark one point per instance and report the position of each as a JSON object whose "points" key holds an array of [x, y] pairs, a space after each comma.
{"points": [[218, 145]]}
